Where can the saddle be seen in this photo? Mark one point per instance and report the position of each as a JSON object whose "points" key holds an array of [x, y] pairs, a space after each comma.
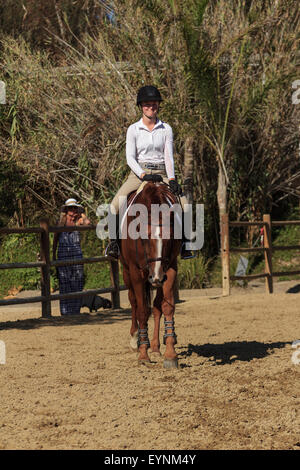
{"points": [[171, 198]]}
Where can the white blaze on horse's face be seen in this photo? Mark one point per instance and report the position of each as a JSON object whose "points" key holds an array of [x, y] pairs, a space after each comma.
{"points": [[157, 276], [157, 267]]}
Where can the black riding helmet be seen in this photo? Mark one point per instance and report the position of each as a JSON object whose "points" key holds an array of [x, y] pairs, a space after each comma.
{"points": [[148, 93]]}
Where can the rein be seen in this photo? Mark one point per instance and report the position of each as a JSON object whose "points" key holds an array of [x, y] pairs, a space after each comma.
{"points": [[147, 259]]}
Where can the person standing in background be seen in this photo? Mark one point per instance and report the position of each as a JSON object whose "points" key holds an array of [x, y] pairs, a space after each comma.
{"points": [[70, 278]]}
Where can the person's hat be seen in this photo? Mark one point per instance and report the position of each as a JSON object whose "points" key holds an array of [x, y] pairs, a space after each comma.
{"points": [[71, 203], [148, 93]]}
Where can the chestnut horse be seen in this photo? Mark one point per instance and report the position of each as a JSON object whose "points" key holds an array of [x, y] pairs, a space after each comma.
{"points": [[151, 261]]}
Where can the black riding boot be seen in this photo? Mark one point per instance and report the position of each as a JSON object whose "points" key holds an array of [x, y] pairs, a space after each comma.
{"points": [[185, 254], [113, 248]]}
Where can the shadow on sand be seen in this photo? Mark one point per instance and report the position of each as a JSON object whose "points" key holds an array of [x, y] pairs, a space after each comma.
{"points": [[227, 353], [106, 317], [294, 290]]}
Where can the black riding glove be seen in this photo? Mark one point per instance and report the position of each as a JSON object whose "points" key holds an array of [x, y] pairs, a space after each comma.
{"points": [[175, 187], [154, 178]]}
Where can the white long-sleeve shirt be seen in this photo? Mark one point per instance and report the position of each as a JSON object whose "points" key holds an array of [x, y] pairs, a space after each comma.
{"points": [[145, 146]]}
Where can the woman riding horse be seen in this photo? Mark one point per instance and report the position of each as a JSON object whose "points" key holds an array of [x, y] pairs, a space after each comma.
{"points": [[149, 154]]}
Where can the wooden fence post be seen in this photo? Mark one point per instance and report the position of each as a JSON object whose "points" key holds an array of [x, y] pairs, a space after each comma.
{"points": [[45, 270], [268, 253], [225, 254], [114, 277]]}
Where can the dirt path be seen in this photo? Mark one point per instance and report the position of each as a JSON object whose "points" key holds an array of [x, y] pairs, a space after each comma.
{"points": [[74, 383]]}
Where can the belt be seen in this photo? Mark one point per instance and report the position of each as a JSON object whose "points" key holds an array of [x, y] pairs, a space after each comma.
{"points": [[153, 166]]}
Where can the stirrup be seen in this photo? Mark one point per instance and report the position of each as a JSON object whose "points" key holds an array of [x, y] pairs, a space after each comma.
{"points": [[187, 254], [113, 249]]}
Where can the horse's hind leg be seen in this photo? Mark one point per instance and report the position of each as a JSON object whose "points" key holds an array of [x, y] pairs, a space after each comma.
{"points": [[157, 312], [168, 308], [132, 300]]}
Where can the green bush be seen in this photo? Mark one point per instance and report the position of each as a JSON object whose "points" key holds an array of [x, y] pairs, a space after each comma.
{"points": [[193, 273], [281, 260], [22, 248]]}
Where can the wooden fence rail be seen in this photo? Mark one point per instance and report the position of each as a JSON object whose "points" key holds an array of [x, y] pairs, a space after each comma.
{"points": [[45, 265], [268, 248]]}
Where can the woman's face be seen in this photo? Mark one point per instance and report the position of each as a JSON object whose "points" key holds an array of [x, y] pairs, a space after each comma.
{"points": [[150, 108], [72, 213]]}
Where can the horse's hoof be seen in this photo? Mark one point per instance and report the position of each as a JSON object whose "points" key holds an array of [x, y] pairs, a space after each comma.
{"points": [[144, 362], [171, 363], [155, 353], [155, 356], [134, 342]]}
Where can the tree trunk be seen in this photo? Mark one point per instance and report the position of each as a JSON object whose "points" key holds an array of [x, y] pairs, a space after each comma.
{"points": [[222, 193], [224, 231], [188, 186]]}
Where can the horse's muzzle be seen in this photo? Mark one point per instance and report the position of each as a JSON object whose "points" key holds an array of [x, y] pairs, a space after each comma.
{"points": [[155, 281]]}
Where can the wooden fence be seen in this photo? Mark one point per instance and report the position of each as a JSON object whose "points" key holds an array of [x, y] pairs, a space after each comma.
{"points": [[268, 248], [45, 265]]}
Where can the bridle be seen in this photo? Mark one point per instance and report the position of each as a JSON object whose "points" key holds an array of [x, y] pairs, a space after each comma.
{"points": [[166, 261], [148, 261]]}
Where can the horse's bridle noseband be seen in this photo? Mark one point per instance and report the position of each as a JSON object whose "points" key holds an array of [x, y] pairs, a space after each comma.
{"points": [[148, 260]]}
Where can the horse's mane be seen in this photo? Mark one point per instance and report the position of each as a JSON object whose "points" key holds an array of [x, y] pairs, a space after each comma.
{"points": [[155, 194]]}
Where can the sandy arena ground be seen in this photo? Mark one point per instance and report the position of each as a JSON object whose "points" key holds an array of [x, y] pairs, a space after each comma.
{"points": [[74, 383]]}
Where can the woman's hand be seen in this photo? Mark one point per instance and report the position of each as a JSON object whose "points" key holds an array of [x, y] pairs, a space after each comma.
{"points": [[155, 178], [175, 187], [84, 220]]}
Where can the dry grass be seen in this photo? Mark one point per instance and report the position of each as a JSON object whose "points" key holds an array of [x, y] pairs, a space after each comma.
{"points": [[225, 73]]}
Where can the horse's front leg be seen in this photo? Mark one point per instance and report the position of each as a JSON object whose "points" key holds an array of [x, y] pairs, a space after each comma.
{"points": [[157, 312], [168, 309], [142, 315]]}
